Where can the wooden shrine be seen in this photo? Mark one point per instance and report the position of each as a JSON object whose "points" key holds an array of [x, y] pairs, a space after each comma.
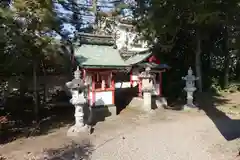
{"points": [[101, 59], [157, 69]]}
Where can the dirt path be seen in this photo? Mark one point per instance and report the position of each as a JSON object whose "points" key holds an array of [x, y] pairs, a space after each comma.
{"points": [[162, 135], [186, 139], [166, 135]]}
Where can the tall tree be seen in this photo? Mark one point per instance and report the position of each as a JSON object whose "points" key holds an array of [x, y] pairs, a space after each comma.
{"points": [[28, 30], [162, 20]]}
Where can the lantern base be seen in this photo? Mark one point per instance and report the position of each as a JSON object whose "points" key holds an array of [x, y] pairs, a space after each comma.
{"points": [[75, 130], [189, 107]]}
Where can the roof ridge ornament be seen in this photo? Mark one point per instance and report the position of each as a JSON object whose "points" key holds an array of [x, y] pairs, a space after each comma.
{"points": [[96, 39]]}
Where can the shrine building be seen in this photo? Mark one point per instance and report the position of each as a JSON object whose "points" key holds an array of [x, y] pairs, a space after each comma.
{"points": [[101, 62]]}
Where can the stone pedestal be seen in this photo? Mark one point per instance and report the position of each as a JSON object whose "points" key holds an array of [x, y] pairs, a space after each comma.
{"points": [[78, 101], [190, 99], [189, 104], [147, 101]]}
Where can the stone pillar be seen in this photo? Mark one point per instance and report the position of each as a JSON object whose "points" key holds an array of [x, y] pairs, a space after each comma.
{"points": [[147, 100], [190, 99], [78, 101]]}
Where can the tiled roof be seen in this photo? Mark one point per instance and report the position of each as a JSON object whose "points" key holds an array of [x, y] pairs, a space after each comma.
{"points": [[105, 57], [97, 55], [139, 57]]}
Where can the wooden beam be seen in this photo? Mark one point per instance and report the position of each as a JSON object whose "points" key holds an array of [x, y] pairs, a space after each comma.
{"points": [[113, 86], [160, 84], [93, 90]]}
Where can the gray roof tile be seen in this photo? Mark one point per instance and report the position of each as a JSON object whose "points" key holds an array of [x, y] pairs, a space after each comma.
{"points": [[105, 56], [96, 55]]}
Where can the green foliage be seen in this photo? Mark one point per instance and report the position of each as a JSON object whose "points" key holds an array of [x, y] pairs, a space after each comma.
{"points": [[162, 17], [27, 35], [171, 27]]}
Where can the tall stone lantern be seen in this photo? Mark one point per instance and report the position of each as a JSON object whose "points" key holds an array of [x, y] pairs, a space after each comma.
{"points": [[147, 88], [190, 88], [77, 88]]}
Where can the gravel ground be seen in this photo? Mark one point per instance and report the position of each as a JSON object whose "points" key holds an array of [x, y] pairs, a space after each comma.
{"points": [[163, 135], [187, 139]]}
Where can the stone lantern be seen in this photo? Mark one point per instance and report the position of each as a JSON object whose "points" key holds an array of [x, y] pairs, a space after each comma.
{"points": [[190, 87], [77, 88], [147, 88]]}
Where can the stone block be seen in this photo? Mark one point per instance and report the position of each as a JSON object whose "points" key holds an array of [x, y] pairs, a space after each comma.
{"points": [[157, 102], [160, 102]]}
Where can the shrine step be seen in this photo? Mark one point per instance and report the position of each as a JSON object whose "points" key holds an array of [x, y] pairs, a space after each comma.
{"points": [[157, 102]]}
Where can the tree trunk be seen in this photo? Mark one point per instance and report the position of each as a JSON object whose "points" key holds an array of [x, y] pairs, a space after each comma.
{"points": [[35, 91], [227, 60], [72, 65], [44, 83], [237, 69], [23, 87], [226, 70], [198, 61]]}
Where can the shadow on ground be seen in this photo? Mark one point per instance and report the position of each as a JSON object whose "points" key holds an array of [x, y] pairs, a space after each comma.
{"points": [[208, 102], [21, 120], [99, 114], [123, 97], [74, 151]]}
